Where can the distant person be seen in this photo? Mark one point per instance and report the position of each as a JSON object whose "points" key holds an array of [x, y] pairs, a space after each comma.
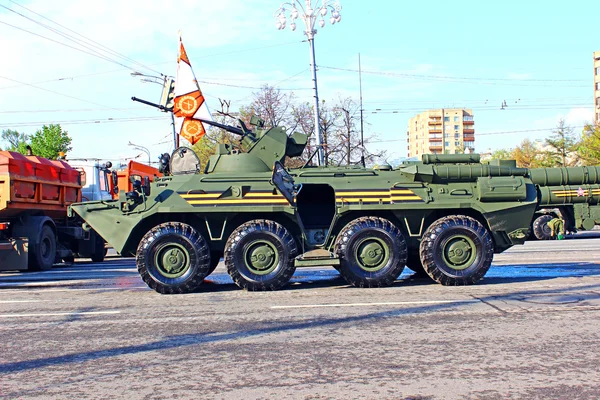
{"points": [[557, 228]]}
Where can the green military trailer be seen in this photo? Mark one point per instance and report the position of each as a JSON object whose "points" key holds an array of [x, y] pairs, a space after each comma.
{"points": [[445, 216]]}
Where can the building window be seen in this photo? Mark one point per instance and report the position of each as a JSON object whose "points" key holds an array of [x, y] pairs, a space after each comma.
{"points": [[468, 118], [456, 127], [446, 119], [457, 143], [597, 70], [447, 144], [456, 135], [456, 118]]}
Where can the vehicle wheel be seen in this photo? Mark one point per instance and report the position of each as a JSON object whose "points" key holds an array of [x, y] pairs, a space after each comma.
{"points": [[99, 249], [456, 250], [541, 230], [372, 252], [43, 254], [173, 258], [259, 255], [413, 262]]}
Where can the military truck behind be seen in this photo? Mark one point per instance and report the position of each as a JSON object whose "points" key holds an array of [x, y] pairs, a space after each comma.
{"points": [[35, 231]]}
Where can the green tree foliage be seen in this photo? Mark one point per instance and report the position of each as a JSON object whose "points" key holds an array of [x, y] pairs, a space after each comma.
{"points": [[528, 155], [50, 141], [16, 141], [588, 149], [502, 154], [562, 145]]}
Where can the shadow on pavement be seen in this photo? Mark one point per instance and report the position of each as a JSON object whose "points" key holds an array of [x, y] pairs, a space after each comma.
{"points": [[247, 330]]}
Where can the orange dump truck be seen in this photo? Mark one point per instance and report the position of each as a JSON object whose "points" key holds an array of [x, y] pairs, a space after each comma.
{"points": [[133, 171], [35, 232]]}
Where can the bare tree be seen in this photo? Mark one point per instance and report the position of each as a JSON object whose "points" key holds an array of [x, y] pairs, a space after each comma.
{"points": [[272, 106]]}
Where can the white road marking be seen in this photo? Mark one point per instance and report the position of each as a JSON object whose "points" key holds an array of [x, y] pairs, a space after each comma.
{"points": [[34, 289], [392, 303], [21, 301], [58, 314]]}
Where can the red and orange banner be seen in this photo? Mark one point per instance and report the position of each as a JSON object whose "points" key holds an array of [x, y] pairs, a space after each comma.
{"points": [[189, 104]]}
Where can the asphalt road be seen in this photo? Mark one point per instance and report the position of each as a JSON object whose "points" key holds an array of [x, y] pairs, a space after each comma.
{"points": [[530, 329]]}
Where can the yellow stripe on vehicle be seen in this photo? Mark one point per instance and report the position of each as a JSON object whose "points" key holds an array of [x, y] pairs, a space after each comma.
{"points": [[239, 201], [263, 194], [201, 196]]}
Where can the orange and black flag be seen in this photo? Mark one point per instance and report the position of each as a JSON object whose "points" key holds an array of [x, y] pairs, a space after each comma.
{"points": [[189, 103]]}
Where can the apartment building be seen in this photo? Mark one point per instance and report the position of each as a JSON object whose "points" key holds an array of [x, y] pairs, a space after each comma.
{"points": [[597, 87], [442, 131]]}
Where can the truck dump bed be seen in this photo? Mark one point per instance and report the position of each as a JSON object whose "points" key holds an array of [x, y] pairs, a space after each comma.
{"points": [[31, 183]]}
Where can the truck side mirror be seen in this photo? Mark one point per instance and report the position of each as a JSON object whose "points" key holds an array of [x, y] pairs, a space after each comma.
{"points": [[146, 186], [115, 182]]}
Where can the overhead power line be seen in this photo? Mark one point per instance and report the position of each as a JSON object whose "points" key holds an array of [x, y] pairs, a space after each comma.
{"points": [[477, 80], [62, 94], [83, 121], [484, 134], [95, 49]]}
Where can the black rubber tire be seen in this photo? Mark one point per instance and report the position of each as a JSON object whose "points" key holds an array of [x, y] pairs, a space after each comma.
{"points": [[180, 236], [413, 262], [348, 243], [43, 254], [441, 233], [99, 249], [541, 230], [276, 237]]}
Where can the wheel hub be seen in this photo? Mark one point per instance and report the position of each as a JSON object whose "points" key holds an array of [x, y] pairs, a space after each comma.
{"points": [[172, 261], [372, 254], [261, 258], [459, 252]]}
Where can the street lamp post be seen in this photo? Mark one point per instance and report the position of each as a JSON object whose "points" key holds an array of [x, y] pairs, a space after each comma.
{"points": [[142, 148], [309, 14]]}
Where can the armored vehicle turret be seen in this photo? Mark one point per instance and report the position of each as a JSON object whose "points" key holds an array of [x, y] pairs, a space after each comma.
{"points": [[446, 215]]}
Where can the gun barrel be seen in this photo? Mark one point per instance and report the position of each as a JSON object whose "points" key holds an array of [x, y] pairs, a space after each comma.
{"points": [[228, 128]]}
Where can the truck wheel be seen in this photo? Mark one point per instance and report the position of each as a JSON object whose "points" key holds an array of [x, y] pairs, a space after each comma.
{"points": [[541, 230], [456, 250], [372, 252], [413, 262], [99, 249], [173, 258], [43, 254], [259, 255]]}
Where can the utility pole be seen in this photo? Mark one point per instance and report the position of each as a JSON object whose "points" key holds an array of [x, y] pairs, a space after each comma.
{"points": [[309, 13], [362, 142]]}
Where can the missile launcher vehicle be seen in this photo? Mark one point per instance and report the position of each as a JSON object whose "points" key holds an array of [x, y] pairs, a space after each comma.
{"points": [[446, 215]]}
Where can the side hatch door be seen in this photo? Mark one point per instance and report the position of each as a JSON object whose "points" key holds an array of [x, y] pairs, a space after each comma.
{"points": [[284, 182]]}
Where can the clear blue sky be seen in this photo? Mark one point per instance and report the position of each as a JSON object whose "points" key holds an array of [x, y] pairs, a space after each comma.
{"points": [[535, 55]]}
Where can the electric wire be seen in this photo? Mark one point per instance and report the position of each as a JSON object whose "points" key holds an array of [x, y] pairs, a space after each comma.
{"points": [[84, 121], [64, 95], [90, 44]]}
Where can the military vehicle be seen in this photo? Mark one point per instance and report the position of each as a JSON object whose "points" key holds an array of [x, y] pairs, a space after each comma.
{"points": [[582, 213], [446, 215]]}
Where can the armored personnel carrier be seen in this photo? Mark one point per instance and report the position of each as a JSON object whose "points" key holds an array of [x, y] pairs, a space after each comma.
{"points": [[446, 215]]}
